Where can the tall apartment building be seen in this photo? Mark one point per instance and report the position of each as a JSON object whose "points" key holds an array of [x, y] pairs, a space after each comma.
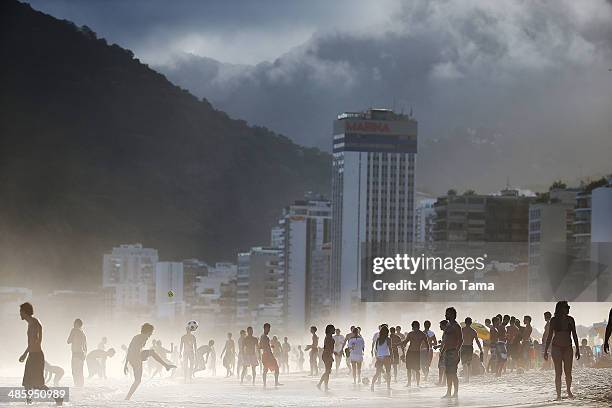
{"points": [[260, 287], [551, 220], [372, 197], [424, 222], [304, 228], [492, 223], [169, 279], [601, 239], [215, 304], [128, 279]]}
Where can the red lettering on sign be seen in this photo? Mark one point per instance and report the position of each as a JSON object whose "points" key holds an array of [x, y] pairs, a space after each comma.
{"points": [[377, 127]]}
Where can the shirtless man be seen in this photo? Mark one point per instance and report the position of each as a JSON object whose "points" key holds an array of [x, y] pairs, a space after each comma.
{"points": [[78, 346], [54, 373], [453, 340], [502, 347], [239, 364], [267, 357], [187, 352], [396, 344], [467, 348], [546, 365], [314, 351], [136, 355], [512, 335], [249, 354], [416, 339], [427, 350], [33, 374]]}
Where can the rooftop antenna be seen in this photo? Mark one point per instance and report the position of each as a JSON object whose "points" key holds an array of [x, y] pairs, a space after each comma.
{"points": [[411, 111], [507, 182]]}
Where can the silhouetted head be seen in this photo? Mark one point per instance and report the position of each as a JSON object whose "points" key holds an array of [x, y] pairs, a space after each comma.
{"points": [[285, 339], [443, 324], [147, 329], [274, 338], [426, 324], [392, 330], [110, 352], [416, 325], [26, 310], [562, 308], [584, 342], [506, 320], [487, 322], [78, 323], [242, 333], [547, 316], [337, 331], [527, 320], [451, 313], [512, 319], [250, 331], [211, 343], [468, 321], [229, 335], [355, 331], [313, 329], [496, 321], [329, 330], [266, 328]]}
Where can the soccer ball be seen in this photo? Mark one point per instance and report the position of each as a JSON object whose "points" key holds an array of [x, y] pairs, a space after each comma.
{"points": [[192, 325], [365, 380], [170, 293]]}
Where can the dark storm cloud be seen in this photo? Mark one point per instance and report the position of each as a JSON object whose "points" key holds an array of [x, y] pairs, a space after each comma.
{"points": [[521, 89]]}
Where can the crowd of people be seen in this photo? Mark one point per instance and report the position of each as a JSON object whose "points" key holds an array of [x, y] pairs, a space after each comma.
{"points": [[505, 343]]}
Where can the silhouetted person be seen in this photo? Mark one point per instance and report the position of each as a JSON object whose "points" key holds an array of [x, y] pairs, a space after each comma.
{"points": [[54, 373], [267, 357], [453, 339], [78, 345], [286, 349], [33, 374], [136, 355], [562, 330], [228, 355], [328, 355], [187, 352], [467, 348], [606, 345], [356, 345], [415, 340], [249, 354], [96, 362], [382, 351], [547, 317], [313, 348]]}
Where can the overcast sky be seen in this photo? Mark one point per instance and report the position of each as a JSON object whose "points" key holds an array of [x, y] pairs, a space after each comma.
{"points": [[500, 89]]}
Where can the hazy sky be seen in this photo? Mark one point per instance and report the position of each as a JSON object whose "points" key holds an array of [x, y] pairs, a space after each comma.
{"points": [[525, 85]]}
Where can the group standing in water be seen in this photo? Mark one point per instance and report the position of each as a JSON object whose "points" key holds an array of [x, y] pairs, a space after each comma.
{"points": [[506, 345]]}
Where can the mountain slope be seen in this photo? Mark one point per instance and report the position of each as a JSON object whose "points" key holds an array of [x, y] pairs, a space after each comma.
{"points": [[96, 149]]}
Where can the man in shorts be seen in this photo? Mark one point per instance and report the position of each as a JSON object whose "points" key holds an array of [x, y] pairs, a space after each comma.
{"points": [[338, 348], [249, 354], [136, 355], [453, 340], [417, 339], [467, 348], [267, 357], [33, 374]]}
